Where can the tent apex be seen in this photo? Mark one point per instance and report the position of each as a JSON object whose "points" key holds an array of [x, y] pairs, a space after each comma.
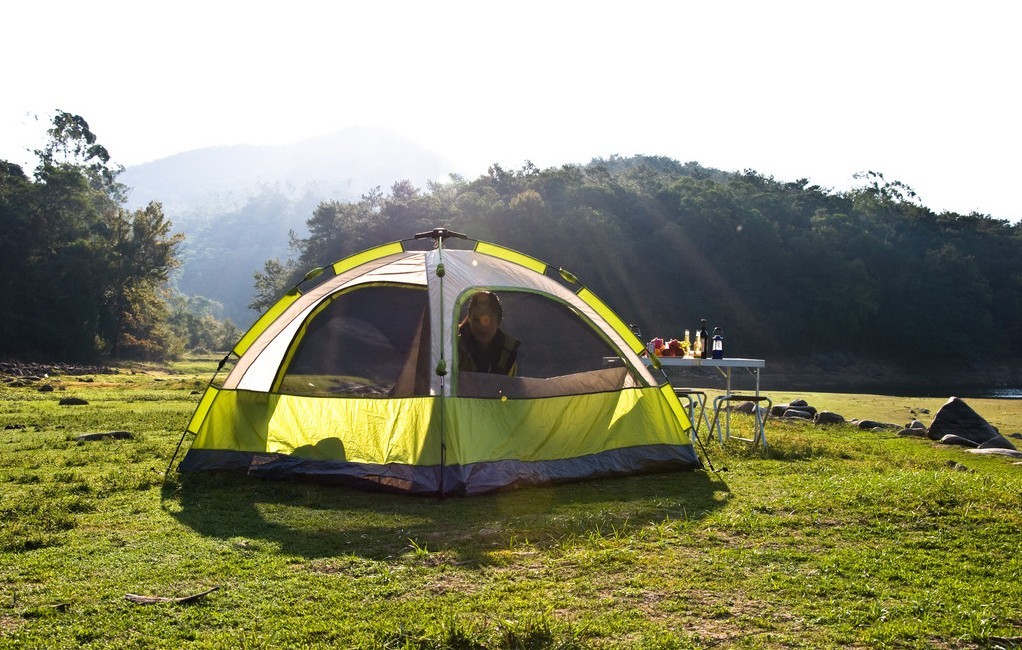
{"points": [[439, 234]]}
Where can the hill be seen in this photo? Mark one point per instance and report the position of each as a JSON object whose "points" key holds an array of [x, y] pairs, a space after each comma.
{"points": [[339, 165], [237, 204]]}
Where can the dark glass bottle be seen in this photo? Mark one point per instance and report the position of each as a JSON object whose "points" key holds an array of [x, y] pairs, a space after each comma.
{"points": [[704, 343]]}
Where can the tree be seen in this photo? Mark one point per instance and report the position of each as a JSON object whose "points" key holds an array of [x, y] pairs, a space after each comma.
{"points": [[788, 269], [199, 323], [82, 276], [142, 254], [73, 144], [270, 283]]}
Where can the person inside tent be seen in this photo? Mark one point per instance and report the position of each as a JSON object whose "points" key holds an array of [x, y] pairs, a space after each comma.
{"points": [[482, 345]]}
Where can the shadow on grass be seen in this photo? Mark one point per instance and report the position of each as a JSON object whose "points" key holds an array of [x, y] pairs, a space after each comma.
{"points": [[313, 521]]}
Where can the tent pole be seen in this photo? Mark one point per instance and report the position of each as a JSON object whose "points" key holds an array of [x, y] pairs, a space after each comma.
{"points": [[184, 433], [441, 369], [706, 455]]}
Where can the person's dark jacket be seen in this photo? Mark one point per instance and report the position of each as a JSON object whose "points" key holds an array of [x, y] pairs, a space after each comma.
{"points": [[501, 357]]}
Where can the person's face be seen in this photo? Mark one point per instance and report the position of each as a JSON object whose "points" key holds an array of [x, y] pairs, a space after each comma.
{"points": [[484, 326]]}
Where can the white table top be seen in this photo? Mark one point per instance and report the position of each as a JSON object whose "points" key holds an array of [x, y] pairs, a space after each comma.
{"points": [[711, 363]]}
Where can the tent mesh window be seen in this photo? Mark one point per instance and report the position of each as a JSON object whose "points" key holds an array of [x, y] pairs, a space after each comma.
{"points": [[370, 341], [561, 353]]}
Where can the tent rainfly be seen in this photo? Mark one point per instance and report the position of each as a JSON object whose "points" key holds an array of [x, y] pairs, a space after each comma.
{"points": [[352, 378]]}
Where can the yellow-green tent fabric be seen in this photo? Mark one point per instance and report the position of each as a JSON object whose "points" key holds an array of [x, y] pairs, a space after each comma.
{"points": [[352, 378]]}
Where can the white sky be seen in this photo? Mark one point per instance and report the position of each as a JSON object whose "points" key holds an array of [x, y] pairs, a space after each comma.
{"points": [[925, 92]]}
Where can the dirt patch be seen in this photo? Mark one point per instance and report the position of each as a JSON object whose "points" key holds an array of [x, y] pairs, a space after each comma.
{"points": [[724, 618], [10, 624], [443, 584]]}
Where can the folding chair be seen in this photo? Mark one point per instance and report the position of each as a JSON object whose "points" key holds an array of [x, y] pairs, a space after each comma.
{"points": [[692, 396], [759, 427]]}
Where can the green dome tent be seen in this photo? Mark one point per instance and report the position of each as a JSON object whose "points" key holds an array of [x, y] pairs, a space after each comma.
{"points": [[352, 377]]}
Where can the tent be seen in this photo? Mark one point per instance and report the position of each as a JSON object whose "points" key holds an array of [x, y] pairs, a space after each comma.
{"points": [[352, 377]]}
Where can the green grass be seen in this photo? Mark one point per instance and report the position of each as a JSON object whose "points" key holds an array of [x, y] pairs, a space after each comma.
{"points": [[830, 538]]}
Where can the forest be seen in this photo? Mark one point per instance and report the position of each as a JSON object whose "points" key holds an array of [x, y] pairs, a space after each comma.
{"points": [[788, 269], [81, 277]]}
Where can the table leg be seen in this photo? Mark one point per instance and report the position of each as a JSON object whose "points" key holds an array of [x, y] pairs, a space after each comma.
{"points": [[760, 422]]}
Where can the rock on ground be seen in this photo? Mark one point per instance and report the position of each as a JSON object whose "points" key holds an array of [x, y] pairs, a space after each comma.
{"points": [[956, 418]]}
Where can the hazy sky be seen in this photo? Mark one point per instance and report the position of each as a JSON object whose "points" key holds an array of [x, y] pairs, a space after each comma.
{"points": [[925, 92]]}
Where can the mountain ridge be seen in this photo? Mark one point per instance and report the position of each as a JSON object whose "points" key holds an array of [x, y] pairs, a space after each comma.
{"points": [[349, 161], [237, 204]]}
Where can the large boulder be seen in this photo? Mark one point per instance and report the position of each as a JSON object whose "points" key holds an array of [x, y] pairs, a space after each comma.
{"points": [[952, 439], [874, 425], [997, 442], [778, 410], [748, 408], [956, 418], [828, 417], [798, 413]]}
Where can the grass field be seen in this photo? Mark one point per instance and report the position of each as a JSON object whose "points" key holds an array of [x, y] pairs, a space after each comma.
{"points": [[830, 538]]}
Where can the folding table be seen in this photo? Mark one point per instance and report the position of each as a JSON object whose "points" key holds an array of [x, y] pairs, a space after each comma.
{"points": [[724, 367]]}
